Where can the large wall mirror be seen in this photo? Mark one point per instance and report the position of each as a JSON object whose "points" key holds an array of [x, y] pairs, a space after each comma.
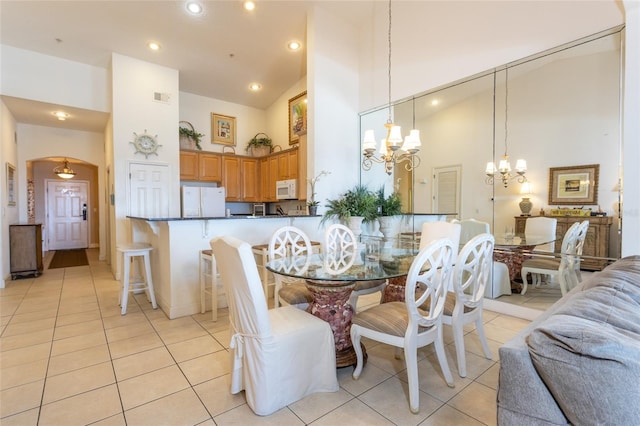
{"points": [[562, 109]]}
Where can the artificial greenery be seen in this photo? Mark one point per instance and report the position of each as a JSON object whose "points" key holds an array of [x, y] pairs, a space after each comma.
{"points": [[193, 135], [358, 201], [312, 182], [389, 206], [261, 139]]}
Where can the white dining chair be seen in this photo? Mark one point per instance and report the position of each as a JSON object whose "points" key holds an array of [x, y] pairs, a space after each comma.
{"points": [[407, 325], [471, 275], [272, 351], [563, 270], [290, 241], [500, 283], [340, 253]]}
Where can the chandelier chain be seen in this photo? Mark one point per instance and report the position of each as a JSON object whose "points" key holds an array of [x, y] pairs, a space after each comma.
{"points": [[389, 63], [506, 109]]}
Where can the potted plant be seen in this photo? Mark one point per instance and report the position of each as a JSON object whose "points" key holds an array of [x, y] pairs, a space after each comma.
{"points": [[311, 202], [355, 206], [259, 145], [189, 137], [389, 208]]}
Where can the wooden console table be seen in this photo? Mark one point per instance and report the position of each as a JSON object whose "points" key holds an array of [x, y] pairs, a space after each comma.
{"points": [[596, 244]]}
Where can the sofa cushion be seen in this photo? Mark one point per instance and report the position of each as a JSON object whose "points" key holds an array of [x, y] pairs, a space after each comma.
{"points": [[588, 352]]}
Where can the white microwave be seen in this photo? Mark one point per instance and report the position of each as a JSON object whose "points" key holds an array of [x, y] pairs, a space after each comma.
{"points": [[287, 189]]}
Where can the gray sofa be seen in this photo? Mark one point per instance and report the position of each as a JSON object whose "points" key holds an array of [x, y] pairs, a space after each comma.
{"points": [[579, 362]]}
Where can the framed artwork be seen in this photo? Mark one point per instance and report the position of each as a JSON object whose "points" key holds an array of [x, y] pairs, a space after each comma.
{"points": [[575, 185], [297, 117], [11, 184], [223, 129]]}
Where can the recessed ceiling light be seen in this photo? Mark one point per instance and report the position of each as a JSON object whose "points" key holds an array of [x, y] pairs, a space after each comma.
{"points": [[249, 5], [255, 87], [153, 45], [60, 115], [194, 8], [435, 102], [294, 45]]}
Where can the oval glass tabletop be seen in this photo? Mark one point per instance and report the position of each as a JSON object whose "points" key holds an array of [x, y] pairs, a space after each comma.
{"points": [[392, 262]]}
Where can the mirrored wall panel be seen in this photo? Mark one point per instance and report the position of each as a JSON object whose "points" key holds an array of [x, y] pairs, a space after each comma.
{"points": [[558, 110]]}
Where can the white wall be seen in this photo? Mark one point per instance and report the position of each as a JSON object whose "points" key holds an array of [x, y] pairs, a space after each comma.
{"points": [[427, 52], [9, 214], [30, 75], [631, 133], [333, 81], [38, 142], [135, 111], [197, 110]]}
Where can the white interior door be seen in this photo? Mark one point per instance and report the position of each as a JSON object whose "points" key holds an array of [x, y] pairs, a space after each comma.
{"points": [[67, 207], [148, 189], [446, 189]]}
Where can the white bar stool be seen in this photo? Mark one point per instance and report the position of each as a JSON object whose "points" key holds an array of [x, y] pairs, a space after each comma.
{"points": [[208, 274], [132, 252]]}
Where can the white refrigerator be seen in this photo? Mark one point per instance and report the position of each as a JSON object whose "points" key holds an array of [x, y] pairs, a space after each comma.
{"points": [[203, 201]]}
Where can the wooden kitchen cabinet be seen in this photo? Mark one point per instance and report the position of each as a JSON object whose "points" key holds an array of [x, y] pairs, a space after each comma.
{"points": [[288, 164], [200, 166], [231, 177], [189, 169], [250, 179], [210, 167], [596, 243], [241, 178]]}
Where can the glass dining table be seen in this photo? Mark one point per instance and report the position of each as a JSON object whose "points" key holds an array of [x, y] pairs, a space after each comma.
{"points": [[513, 250], [330, 286]]}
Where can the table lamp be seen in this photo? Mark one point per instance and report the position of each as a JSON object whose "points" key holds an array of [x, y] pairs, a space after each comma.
{"points": [[525, 204]]}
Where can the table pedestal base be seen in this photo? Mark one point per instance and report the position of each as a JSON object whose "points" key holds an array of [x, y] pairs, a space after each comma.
{"points": [[330, 303]]}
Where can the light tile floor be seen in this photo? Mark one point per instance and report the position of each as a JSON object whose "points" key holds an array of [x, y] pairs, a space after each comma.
{"points": [[68, 357]]}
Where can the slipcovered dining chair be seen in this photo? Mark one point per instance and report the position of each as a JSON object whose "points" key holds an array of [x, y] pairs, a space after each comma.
{"points": [[407, 325], [340, 239], [500, 282], [285, 242], [566, 269], [541, 227], [272, 351], [471, 275], [432, 231]]}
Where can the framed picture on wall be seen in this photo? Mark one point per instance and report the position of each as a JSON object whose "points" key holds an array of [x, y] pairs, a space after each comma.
{"points": [[223, 129], [11, 184], [575, 185], [297, 117]]}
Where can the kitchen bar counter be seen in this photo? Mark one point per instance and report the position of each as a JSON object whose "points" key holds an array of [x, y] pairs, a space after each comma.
{"points": [[176, 251], [177, 243]]}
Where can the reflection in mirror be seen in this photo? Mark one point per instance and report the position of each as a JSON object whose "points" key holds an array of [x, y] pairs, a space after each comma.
{"points": [[563, 110]]}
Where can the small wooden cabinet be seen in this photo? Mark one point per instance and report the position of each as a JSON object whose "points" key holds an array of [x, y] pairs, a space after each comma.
{"points": [[25, 250], [596, 243]]}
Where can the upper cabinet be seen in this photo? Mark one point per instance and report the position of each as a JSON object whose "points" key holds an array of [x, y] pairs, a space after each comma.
{"points": [[247, 179], [200, 166]]}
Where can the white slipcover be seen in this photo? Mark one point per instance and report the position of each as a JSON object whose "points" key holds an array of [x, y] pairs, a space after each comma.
{"points": [[280, 355]]}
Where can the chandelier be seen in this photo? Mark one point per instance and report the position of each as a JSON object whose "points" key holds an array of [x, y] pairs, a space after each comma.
{"points": [[393, 149], [64, 171], [503, 171]]}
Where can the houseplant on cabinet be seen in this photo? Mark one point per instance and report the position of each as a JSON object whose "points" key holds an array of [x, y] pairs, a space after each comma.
{"points": [[260, 145], [189, 138], [355, 206]]}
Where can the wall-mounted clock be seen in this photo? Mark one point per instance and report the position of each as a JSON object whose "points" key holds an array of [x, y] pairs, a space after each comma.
{"points": [[145, 143]]}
